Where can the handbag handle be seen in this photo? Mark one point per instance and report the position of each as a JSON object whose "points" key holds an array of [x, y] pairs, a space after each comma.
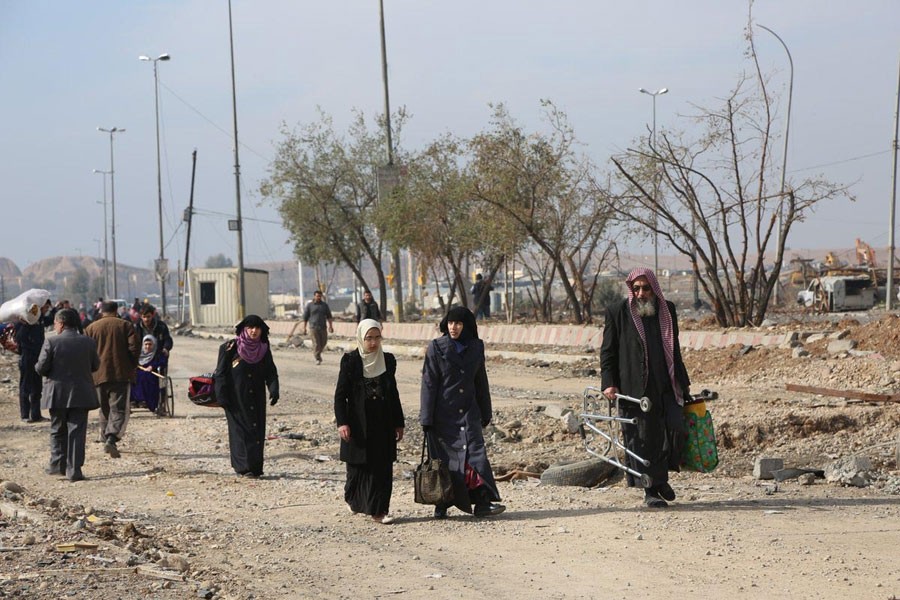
{"points": [[425, 450]]}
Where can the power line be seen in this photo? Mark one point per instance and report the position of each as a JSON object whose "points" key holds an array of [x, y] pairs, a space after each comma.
{"points": [[211, 122], [840, 162]]}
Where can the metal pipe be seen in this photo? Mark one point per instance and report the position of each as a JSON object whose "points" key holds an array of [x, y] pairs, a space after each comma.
{"points": [[889, 290], [787, 131]]}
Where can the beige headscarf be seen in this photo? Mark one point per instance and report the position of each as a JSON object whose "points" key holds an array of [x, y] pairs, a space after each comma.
{"points": [[373, 362]]}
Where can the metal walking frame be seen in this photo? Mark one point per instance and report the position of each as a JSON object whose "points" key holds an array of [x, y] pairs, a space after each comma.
{"points": [[601, 430], [601, 427]]}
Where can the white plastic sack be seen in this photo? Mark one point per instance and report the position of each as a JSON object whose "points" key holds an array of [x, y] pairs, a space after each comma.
{"points": [[24, 307]]}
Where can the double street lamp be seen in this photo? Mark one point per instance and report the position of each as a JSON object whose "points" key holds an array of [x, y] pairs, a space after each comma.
{"points": [[112, 192], [653, 95], [161, 270], [105, 244]]}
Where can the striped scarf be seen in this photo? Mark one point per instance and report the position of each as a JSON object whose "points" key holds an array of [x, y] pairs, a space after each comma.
{"points": [[665, 324]]}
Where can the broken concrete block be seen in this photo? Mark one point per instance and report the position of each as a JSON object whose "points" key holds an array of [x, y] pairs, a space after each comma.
{"points": [[849, 470], [764, 466], [815, 337], [571, 422], [841, 346], [556, 411], [839, 335]]}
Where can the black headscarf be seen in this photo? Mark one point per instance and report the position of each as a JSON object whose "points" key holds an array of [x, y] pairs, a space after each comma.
{"points": [[254, 321], [462, 315]]}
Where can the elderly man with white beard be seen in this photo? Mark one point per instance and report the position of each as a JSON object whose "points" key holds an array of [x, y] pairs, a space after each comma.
{"points": [[641, 356]]}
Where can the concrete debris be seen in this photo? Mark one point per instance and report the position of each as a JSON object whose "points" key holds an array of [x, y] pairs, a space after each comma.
{"points": [[850, 470], [764, 467], [841, 346]]}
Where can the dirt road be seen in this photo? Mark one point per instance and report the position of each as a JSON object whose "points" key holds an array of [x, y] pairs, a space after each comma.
{"points": [[289, 535]]}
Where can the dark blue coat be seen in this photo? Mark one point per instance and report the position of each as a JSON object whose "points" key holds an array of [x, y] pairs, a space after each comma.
{"points": [[455, 401]]}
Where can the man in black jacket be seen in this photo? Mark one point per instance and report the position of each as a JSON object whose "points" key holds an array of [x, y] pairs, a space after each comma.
{"points": [[30, 339], [368, 308], [641, 356]]}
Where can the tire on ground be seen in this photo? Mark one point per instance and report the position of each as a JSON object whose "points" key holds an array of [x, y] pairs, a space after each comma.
{"points": [[584, 473]]}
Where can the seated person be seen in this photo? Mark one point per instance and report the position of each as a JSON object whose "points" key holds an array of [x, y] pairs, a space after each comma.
{"points": [[151, 366]]}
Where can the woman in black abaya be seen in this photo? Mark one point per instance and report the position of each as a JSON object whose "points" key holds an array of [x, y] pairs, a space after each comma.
{"points": [[244, 370], [370, 422]]}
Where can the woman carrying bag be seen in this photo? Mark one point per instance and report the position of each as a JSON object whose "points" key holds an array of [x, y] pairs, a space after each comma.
{"points": [[244, 370], [370, 422], [455, 407]]}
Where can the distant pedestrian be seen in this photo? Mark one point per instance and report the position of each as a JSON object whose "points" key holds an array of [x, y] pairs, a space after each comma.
{"points": [[244, 370], [481, 297], [118, 348], [368, 308], [317, 315], [67, 361], [30, 340], [370, 422]]}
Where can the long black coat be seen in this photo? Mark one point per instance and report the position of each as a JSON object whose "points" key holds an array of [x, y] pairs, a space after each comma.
{"points": [[622, 354], [455, 402], [350, 409], [658, 435], [241, 391]]}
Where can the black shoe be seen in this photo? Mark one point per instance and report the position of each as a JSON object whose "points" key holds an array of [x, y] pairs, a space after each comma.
{"points": [[37, 420], [489, 510], [56, 472], [665, 491], [110, 448], [440, 512], [652, 499], [77, 476]]}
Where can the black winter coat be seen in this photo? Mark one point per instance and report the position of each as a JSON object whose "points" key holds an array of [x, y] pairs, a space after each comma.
{"points": [[456, 403], [622, 354], [350, 408]]}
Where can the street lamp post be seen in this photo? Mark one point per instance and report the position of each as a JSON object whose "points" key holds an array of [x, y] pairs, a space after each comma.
{"points": [[161, 271], [112, 203], [787, 130], [105, 244], [653, 95], [242, 294]]}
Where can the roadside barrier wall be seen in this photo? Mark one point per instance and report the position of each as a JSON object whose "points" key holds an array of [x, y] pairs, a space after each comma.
{"points": [[543, 335]]}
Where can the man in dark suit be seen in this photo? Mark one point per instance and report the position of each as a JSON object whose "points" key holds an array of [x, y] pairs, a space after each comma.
{"points": [[67, 362]]}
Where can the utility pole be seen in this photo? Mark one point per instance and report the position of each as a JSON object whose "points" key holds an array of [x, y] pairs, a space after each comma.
{"points": [[395, 252], [242, 295]]}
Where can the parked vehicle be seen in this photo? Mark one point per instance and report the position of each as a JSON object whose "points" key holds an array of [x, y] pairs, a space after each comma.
{"points": [[837, 293]]}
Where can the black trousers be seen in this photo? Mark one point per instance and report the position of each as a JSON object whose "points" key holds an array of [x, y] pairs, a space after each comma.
{"points": [[29, 388], [68, 431], [658, 436]]}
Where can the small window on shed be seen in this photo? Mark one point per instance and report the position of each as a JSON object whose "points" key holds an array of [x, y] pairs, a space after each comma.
{"points": [[207, 292]]}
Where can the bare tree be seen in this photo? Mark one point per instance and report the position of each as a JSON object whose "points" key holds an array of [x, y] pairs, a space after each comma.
{"points": [[715, 203], [543, 185]]}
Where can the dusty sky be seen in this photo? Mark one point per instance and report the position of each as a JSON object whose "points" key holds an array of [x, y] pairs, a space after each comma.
{"points": [[68, 67]]}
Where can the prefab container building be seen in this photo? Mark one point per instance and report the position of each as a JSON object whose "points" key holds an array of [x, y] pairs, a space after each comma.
{"points": [[214, 295]]}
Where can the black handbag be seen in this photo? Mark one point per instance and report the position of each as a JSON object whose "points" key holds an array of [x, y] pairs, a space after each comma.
{"points": [[431, 480]]}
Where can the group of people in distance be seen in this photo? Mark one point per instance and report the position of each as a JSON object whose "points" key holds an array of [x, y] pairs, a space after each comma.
{"points": [[640, 356], [102, 367]]}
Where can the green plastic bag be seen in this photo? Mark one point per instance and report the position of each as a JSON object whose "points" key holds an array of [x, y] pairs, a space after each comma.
{"points": [[700, 452]]}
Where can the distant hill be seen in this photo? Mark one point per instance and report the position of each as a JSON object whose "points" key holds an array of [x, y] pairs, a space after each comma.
{"points": [[59, 275]]}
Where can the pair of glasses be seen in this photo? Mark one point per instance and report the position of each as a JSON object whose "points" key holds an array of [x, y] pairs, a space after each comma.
{"points": [[641, 288]]}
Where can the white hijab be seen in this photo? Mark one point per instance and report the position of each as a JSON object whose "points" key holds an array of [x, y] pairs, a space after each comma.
{"points": [[373, 362]]}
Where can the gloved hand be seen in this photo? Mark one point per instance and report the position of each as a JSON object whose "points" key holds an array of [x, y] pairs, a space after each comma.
{"points": [[273, 401], [485, 424]]}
